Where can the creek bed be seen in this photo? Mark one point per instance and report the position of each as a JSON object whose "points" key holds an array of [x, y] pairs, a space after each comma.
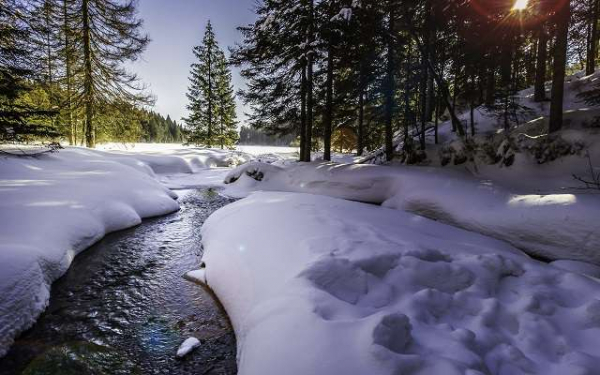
{"points": [[123, 306]]}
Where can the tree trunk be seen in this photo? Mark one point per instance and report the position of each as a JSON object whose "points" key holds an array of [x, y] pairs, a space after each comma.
{"points": [[593, 45], [407, 93], [68, 75], [327, 123], [309, 83], [361, 119], [490, 84], [540, 68], [390, 89], [443, 87], [424, 103], [429, 49], [210, 103], [472, 117], [303, 112], [437, 119], [88, 84], [563, 16], [455, 91], [222, 134]]}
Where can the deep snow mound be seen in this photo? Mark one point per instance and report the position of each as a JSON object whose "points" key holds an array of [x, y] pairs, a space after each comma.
{"points": [[339, 287], [173, 158], [560, 225]]}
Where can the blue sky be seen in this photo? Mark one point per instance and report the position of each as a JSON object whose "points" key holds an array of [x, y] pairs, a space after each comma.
{"points": [[175, 26]]}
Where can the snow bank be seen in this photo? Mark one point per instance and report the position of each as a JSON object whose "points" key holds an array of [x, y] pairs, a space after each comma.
{"points": [[55, 205], [554, 226], [339, 287], [173, 158]]}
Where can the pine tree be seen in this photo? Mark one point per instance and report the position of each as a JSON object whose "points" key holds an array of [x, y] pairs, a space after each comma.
{"points": [[19, 69], [109, 34], [562, 16], [226, 123], [202, 93], [274, 58]]}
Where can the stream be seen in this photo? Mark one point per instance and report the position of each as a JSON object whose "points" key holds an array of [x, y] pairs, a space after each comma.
{"points": [[123, 307]]}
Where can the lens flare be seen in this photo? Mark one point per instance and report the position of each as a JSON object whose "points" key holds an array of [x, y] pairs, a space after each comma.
{"points": [[520, 5]]}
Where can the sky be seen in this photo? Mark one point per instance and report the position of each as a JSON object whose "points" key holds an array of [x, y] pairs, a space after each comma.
{"points": [[175, 27]]}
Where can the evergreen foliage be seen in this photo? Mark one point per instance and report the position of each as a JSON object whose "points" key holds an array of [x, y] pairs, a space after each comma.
{"points": [[252, 136], [396, 66], [65, 59], [23, 114], [212, 119]]}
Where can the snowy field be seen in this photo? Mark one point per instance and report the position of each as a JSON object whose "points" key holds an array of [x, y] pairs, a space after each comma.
{"points": [[378, 289]]}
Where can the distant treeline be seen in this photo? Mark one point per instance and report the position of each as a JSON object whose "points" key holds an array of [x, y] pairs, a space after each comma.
{"points": [[63, 73], [250, 136], [157, 129]]}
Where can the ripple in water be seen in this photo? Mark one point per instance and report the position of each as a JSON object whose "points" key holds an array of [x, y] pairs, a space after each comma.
{"points": [[123, 306]]}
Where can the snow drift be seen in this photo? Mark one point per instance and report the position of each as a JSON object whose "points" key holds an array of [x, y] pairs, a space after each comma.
{"points": [[339, 287], [52, 207], [553, 226]]}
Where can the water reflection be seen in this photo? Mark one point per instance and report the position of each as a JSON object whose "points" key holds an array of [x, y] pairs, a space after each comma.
{"points": [[125, 301]]}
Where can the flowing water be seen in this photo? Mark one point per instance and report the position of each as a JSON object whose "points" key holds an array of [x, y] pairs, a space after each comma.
{"points": [[124, 308]]}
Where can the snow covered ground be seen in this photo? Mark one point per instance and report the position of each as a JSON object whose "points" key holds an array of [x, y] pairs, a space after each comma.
{"points": [[52, 206], [329, 286], [554, 226]]}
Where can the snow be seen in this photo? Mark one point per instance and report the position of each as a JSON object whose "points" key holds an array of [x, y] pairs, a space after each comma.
{"points": [[328, 286], [554, 225], [196, 276], [578, 267], [55, 205], [187, 346]]}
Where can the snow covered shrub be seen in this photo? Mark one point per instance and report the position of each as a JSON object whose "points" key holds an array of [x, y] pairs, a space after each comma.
{"points": [[410, 154], [505, 153], [549, 147], [254, 170], [458, 152]]}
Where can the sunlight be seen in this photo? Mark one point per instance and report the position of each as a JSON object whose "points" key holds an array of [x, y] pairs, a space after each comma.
{"points": [[520, 5], [534, 200]]}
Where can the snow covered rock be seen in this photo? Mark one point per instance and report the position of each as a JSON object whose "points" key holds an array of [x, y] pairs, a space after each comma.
{"points": [[196, 276], [187, 346], [339, 287]]}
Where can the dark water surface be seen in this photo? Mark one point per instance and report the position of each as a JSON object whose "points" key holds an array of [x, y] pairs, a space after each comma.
{"points": [[124, 308]]}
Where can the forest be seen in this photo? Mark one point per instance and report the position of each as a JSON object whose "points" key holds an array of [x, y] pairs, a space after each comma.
{"points": [[383, 67], [62, 74], [323, 187]]}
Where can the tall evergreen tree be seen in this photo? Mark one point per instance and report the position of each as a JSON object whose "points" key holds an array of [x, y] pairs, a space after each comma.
{"points": [[109, 34], [19, 69], [202, 92], [226, 129]]}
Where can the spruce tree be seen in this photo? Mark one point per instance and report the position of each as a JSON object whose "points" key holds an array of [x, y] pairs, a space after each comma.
{"points": [[274, 60], [226, 129], [19, 70], [202, 92], [109, 34]]}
